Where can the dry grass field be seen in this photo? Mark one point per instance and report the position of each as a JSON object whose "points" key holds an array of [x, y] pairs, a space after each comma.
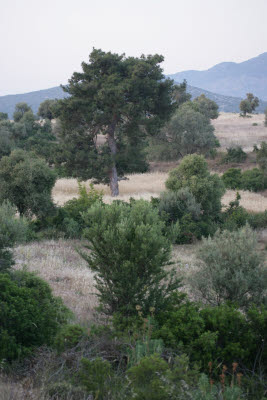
{"points": [[147, 185], [231, 129]]}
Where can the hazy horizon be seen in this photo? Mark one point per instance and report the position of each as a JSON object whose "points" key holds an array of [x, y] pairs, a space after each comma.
{"points": [[44, 43]]}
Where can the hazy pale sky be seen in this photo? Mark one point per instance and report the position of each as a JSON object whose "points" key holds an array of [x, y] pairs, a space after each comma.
{"points": [[44, 41]]}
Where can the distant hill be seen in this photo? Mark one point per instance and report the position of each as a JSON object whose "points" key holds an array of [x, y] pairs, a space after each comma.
{"points": [[231, 79], [7, 103], [34, 99], [225, 103]]}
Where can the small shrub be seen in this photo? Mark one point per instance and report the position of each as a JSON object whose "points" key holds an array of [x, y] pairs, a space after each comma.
{"points": [[262, 157], [68, 337], [64, 391], [207, 189], [95, 376], [253, 180], [12, 230], [235, 155], [232, 178], [30, 315], [128, 254], [232, 269], [255, 124]]}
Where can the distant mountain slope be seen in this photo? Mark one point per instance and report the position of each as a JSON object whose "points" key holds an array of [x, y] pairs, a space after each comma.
{"points": [[34, 99], [225, 103], [7, 103], [231, 79]]}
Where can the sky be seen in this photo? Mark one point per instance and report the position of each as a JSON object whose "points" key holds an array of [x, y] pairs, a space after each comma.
{"points": [[44, 41]]}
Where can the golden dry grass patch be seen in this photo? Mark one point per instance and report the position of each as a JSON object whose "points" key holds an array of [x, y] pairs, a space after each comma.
{"points": [[58, 262], [251, 201], [137, 186], [146, 185], [231, 129]]}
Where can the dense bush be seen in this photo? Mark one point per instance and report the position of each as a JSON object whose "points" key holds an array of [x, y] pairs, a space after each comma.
{"points": [[12, 230], [232, 178], [235, 155], [30, 315], [26, 181], [189, 131], [192, 173], [232, 269], [128, 254], [253, 180], [67, 220]]}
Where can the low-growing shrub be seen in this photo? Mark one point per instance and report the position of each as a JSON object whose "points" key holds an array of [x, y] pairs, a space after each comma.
{"points": [[12, 230], [232, 269], [30, 315], [253, 180], [207, 189], [96, 376], [68, 337], [235, 155], [232, 178]]}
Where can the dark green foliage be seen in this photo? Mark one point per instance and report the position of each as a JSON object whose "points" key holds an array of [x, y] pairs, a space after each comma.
{"points": [[128, 254], [30, 315], [68, 337], [221, 334], [192, 173], [154, 379], [96, 376], [232, 178], [67, 220], [20, 110], [235, 216], [258, 220], [3, 116], [206, 107], [6, 142], [253, 180], [182, 214], [27, 182], [180, 94], [47, 109], [232, 269], [235, 155], [248, 105], [122, 98], [12, 230], [262, 157]]}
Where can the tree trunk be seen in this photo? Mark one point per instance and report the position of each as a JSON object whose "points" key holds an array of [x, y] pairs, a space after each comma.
{"points": [[113, 176]]}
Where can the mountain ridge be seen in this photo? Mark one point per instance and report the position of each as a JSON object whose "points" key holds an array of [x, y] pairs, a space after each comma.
{"points": [[230, 78]]}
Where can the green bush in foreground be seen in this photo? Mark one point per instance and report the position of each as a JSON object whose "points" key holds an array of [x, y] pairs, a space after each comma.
{"points": [[232, 269], [235, 155], [129, 253], [30, 315]]}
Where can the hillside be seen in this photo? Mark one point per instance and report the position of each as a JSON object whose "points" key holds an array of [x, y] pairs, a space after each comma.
{"points": [[225, 103], [231, 79], [7, 103]]}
